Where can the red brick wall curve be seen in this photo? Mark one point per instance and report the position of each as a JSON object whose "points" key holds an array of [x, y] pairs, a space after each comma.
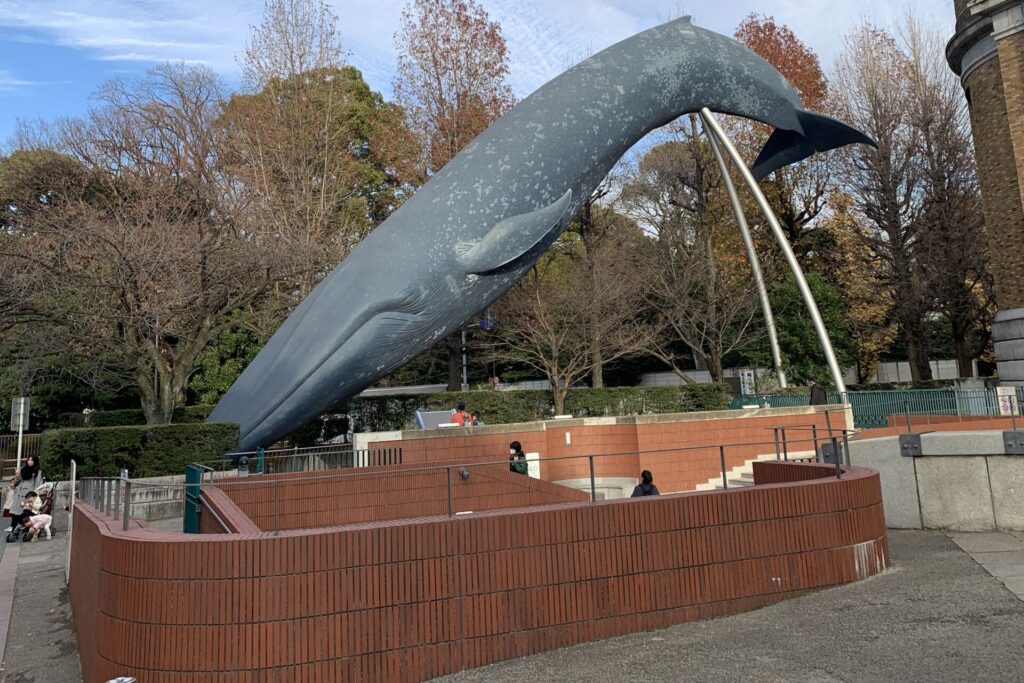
{"points": [[681, 450], [408, 600]]}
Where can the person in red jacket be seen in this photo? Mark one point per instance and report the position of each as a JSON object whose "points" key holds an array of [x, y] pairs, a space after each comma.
{"points": [[461, 417]]}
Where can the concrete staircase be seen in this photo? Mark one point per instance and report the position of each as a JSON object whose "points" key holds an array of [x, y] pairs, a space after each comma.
{"points": [[743, 475]]}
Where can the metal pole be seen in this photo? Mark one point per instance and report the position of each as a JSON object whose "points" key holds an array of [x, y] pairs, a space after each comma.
{"points": [[785, 446], [117, 498], [755, 264], [828, 421], [835, 452], [814, 437], [593, 481], [794, 266], [448, 471], [906, 412], [277, 507], [107, 486], [465, 372], [846, 445], [721, 455], [21, 433], [127, 504], [778, 453]]}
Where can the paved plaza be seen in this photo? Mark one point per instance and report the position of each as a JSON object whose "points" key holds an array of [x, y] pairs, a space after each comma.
{"points": [[937, 615]]}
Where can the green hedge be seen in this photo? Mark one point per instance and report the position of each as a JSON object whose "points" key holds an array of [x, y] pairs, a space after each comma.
{"points": [[145, 451], [132, 416], [386, 413]]}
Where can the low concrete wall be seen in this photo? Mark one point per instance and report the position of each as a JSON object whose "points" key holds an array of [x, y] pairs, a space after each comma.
{"points": [[962, 481]]}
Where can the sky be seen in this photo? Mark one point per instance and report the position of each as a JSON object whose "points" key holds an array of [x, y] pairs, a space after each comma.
{"points": [[55, 53]]}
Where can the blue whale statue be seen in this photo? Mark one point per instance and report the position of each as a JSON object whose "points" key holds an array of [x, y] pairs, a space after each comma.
{"points": [[482, 221]]}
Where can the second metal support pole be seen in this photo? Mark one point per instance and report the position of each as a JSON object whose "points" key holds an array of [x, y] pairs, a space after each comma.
{"points": [[721, 456], [593, 481]]}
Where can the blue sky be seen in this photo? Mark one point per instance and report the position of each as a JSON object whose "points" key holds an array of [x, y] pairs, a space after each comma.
{"points": [[55, 53]]}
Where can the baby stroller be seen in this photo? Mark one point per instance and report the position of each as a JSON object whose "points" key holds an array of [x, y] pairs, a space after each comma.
{"points": [[46, 493]]}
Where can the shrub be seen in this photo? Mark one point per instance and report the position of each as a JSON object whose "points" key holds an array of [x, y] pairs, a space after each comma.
{"points": [[145, 451], [386, 413]]}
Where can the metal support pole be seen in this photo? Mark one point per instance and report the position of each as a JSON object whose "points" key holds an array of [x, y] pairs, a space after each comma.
{"points": [[277, 507], [448, 471], [906, 412], [755, 264], [814, 437], [794, 266], [828, 422], [21, 436], [593, 481], [117, 498], [785, 446], [846, 446], [721, 456], [778, 452], [127, 504], [838, 457], [107, 495]]}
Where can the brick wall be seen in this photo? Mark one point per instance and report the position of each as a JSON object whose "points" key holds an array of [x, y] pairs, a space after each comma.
{"points": [[308, 500], [407, 601], [655, 442]]}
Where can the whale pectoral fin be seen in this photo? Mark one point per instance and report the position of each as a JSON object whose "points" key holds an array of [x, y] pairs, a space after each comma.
{"points": [[820, 134], [512, 237]]}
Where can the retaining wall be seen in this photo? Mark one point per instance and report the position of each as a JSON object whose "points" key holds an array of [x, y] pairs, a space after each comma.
{"points": [[414, 599], [652, 442], [384, 493], [962, 481]]}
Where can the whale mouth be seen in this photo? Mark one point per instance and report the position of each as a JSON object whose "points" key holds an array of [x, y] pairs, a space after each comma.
{"points": [[376, 344]]}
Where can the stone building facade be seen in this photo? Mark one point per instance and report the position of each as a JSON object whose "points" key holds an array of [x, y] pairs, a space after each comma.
{"points": [[987, 53]]}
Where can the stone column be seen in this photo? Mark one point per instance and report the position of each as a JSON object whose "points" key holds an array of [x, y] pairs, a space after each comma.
{"points": [[987, 52]]}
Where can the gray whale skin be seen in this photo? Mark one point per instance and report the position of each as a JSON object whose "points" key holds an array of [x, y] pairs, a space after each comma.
{"points": [[481, 222]]}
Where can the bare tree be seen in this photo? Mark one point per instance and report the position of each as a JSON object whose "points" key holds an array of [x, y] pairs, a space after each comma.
{"points": [[546, 321], [875, 92], [701, 289], [139, 255], [607, 248], [954, 251]]}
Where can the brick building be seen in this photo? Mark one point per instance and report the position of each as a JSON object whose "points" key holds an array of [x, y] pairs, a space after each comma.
{"points": [[987, 53]]}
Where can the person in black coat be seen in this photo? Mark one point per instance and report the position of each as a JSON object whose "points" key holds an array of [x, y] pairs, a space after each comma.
{"points": [[517, 459], [819, 396], [646, 486]]}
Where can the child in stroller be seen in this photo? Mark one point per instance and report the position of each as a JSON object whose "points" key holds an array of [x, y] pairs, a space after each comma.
{"points": [[38, 502]]}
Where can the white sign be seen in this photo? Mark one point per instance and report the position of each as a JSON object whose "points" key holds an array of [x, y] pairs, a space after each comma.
{"points": [[748, 382], [19, 414], [1007, 397]]}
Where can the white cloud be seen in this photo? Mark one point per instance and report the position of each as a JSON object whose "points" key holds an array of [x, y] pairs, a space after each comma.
{"points": [[10, 84], [543, 36]]}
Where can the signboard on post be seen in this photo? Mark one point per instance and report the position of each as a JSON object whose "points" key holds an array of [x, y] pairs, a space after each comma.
{"points": [[748, 382], [19, 414], [1007, 397]]}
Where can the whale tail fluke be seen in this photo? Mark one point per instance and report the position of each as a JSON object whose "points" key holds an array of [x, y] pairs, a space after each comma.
{"points": [[820, 134]]}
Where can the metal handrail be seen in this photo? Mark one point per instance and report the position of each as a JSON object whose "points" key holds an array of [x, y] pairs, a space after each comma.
{"points": [[213, 512], [361, 471]]}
